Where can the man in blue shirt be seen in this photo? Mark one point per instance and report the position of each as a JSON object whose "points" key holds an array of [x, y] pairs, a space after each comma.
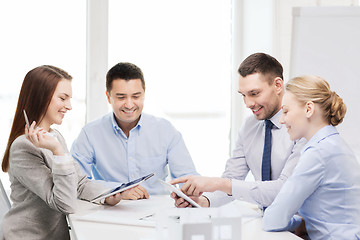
{"points": [[127, 144]]}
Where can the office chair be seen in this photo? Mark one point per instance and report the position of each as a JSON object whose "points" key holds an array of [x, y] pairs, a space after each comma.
{"points": [[4, 206]]}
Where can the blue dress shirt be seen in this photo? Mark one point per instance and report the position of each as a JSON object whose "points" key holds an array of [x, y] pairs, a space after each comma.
{"points": [[324, 189], [105, 153]]}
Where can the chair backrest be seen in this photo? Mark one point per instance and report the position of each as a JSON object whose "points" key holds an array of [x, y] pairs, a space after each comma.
{"points": [[4, 206]]}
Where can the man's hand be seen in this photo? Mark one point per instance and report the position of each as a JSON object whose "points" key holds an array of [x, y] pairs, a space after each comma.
{"points": [[182, 203], [114, 199], [196, 185], [135, 193]]}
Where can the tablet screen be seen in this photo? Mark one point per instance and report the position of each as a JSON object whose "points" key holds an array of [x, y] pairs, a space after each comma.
{"points": [[178, 192], [123, 187]]}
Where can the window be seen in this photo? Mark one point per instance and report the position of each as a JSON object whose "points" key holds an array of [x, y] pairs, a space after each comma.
{"points": [[183, 48], [36, 33]]}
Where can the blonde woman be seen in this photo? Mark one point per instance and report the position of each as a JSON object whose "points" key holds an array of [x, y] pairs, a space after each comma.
{"points": [[324, 188]]}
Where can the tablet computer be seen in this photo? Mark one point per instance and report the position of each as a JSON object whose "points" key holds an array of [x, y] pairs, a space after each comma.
{"points": [[178, 192], [123, 187]]}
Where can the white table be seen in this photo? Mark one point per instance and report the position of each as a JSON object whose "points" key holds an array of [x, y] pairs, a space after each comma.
{"points": [[96, 222]]}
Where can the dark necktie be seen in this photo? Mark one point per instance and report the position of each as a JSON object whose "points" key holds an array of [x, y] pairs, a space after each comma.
{"points": [[266, 160]]}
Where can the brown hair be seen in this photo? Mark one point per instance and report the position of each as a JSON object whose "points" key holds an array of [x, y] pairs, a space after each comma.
{"points": [[35, 95], [261, 63], [317, 90]]}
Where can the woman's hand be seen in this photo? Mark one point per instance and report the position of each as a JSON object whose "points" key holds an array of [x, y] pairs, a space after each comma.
{"points": [[40, 139], [115, 199]]}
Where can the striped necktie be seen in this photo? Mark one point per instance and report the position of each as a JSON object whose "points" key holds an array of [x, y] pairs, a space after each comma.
{"points": [[266, 160]]}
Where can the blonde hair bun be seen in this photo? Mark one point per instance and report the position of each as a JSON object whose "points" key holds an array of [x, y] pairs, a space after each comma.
{"points": [[315, 89]]}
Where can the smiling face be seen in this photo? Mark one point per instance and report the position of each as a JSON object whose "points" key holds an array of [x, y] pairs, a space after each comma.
{"points": [[294, 116], [127, 101], [59, 105], [262, 98]]}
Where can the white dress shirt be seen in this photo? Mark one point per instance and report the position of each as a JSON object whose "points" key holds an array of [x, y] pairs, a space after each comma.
{"points": [[247, 156]]}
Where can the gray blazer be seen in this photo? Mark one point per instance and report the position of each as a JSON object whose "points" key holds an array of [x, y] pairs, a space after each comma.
{"points": [[44, 188]]}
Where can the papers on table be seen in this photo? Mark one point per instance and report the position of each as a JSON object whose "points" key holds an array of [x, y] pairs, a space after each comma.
{"points": [[147, 212], [126, 212]]}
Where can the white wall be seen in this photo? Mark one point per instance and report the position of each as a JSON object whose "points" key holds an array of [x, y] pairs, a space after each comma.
{"points": [[326, 43]]}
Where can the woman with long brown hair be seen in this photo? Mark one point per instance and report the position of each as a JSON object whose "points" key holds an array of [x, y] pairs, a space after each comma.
{"points": [[45, 181]]}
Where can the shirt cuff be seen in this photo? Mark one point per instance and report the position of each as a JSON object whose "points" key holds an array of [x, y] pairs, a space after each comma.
{"points": [[63, 165], [98, 202], [241, 190], [217, 198], [294, 223]]}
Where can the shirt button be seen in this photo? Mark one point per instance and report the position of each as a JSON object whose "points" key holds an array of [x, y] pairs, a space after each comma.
{"points": [[132, 175], [130, 158]]}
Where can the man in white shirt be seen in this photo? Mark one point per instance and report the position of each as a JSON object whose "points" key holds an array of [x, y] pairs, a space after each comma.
{"points": [[261, 85]]}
